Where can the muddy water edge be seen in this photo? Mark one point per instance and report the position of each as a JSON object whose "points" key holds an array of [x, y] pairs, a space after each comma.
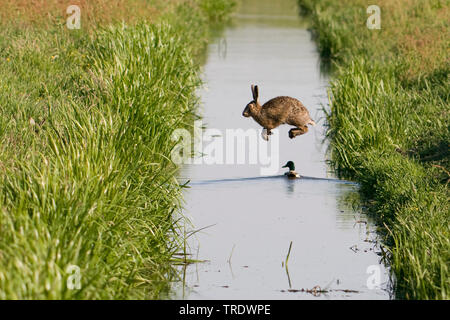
{"points": [[249, 224]]}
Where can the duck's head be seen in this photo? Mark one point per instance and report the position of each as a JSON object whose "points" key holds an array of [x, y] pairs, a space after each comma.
{"points": [[289, 165]]}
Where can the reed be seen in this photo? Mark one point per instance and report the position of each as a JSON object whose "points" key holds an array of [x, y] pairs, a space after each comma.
{"points": [[86, 178], [389, 127]]}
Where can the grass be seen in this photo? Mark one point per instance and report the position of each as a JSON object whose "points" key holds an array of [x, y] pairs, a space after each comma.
{"points": [[389, 127], [86, 118]]}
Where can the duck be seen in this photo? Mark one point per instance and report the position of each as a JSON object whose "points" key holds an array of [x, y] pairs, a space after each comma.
{"points": [[291, 174]]}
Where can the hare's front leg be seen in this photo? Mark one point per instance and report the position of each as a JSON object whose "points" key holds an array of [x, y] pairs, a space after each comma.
{"points": [[265, 134], [297, 131]]}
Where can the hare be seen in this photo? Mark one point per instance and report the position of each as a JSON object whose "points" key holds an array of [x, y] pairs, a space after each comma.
{"points": [[277, 111]]}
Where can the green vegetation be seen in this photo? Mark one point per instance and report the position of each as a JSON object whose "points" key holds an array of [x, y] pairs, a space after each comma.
{"points": [[86, 118], [389, 126]]}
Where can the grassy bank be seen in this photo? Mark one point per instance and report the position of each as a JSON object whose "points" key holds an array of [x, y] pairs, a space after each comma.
{"points": [[389, 126], [86, 117]]}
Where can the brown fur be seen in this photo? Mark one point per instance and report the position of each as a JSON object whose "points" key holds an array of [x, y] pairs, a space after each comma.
{"points": [[278, 111]]}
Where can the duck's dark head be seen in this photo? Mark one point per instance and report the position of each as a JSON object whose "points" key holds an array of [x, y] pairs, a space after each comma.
{"points": [[289, 165]]}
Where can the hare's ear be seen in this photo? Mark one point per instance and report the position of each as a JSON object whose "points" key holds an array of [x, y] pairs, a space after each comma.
{"points": [[255, 92]]}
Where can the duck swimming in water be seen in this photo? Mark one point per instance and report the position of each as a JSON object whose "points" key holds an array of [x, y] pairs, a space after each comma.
{"points": [[292, 174]]}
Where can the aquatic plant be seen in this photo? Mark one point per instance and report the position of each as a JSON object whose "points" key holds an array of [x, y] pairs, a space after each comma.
{"points": [[87, 187], [389, 127]]}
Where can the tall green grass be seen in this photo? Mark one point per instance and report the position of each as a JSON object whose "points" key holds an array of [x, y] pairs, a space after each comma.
{"points": [[85, 174], [389, 127]]}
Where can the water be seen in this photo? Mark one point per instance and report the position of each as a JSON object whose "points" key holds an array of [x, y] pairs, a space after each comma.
{"points": [[250, 220]]}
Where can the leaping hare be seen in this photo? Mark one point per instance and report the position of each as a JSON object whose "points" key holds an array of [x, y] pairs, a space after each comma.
{"points": [[277, 111]]}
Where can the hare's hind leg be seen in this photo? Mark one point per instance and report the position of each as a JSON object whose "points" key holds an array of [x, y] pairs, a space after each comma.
{"points": [[297, 131]]}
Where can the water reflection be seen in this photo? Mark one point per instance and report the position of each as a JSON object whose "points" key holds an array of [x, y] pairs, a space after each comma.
{"points": [[252, 219], [290, 188]]}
